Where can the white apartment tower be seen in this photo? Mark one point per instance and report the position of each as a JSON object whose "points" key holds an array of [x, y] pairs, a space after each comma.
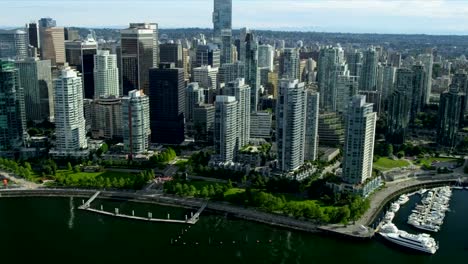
{"points": [[359, 142], [69, 116], [135, 122], [311, 133], [106, 74], [225, 130], [290, 124], [241, 92]]}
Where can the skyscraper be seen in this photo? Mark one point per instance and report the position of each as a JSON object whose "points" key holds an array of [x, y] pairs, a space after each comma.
{"points": [[36, 81], [266, 57], [12, 116], [203, 122], [289, 64], [354, 60], [206, 76], [13, 44], [194, 96], [291, 124], [460, 78], [80, 54], [52, 45], [207, 55], [388, 82], [241, 92], [229, 72], [135, 122], [342, 89], [69, 116], [311, 126], [106, 74], [330, 59], [167, 104], [139, 53], [33, 34], [428, 61], [107, 118], [451, 109], [400, 106], [252, 76], [222, 18], [225, 129], [171, 53], [419, 88], [368, 77], [359, 142]]}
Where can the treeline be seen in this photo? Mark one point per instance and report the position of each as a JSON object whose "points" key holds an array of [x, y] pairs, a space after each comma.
{"points": [[165, 156], [214, 191], [24, 171], [134, 182]]}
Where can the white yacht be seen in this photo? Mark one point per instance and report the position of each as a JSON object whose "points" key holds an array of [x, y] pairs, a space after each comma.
{"points": [[394, 207], [389, 216], [403, 199], [421, 242]]}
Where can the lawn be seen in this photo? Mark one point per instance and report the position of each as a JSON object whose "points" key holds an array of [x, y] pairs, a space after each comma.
{"points": [[233, 192], [387, 164], [92, 175]]}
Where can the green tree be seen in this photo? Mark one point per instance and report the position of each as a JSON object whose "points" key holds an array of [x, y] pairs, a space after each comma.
{"points": [[69, 166]]}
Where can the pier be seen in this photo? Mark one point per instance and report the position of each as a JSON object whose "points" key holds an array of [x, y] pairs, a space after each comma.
{"points": [[191, 221]]}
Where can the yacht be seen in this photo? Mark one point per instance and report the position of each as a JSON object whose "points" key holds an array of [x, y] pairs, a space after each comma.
{"points": [[389, 216], [421, 242], [394, 207], [403, 199]]}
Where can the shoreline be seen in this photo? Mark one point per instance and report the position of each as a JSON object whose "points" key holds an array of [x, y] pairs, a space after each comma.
{"points": [[351, 231]]}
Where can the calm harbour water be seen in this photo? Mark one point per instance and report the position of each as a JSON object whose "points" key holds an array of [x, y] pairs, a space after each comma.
{"points": [[49, 230]]}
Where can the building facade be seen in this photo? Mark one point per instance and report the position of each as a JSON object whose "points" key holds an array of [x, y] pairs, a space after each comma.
{"points": [[135, 122], [225, 128], [106, 74]]}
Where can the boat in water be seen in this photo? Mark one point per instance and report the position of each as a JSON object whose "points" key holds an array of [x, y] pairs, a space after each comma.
{"points": [[403, 199], [394, 207], [389, 216], [421, 242]]}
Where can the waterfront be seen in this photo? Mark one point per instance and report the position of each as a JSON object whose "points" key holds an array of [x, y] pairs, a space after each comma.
{"points": [[47, 229]]}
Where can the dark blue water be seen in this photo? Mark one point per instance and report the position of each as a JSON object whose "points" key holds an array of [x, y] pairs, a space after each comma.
{"points": [[47, 230]]}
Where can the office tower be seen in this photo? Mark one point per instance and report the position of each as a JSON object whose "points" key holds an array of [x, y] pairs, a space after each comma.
{"points": [[167, 104], [330, 59], [106, 74], [194, 96], [222, 18], [107, 118], [203, 122], [419, 87], [135, 122], [330, 130], [266, 56], [53, 45], [395, 59], [342, 90], [71, 34], [47, 22], [229, 72], [451, 110], [263, 73], [241, 92], [171, 53], [389, 73], [289, 64], [291, 124], [13, 44], [252, 76], [36, 81], [399, 106], [273, 84], [226, 128], [368, 76], [359, 143], [354, 60], [222, 23], [80, 54], [88, 113], [207, 55], [33, 34], [12, 114], [428, 61], [139, 53], [242, 37], [205, 76], [460, 78], [311, 126], [69, 115]]}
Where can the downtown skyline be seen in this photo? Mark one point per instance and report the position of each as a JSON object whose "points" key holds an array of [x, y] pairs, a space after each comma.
{"points": [[438, 17]]}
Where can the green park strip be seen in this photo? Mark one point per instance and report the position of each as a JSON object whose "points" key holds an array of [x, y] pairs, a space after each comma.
{"points": [[388, 164], [430, 161], [104, 179]]}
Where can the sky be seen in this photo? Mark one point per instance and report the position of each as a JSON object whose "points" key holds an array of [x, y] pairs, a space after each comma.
{"points": [[439, 17]]}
